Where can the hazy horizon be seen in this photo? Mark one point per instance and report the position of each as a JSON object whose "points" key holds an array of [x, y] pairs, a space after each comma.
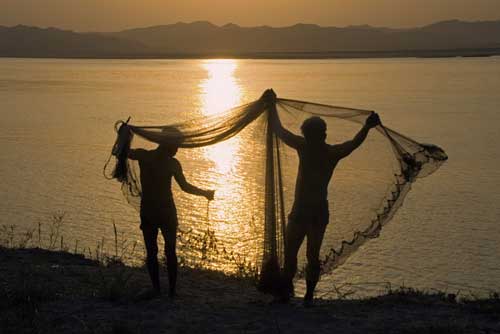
{"points": [[94, 15], [240, 25]]}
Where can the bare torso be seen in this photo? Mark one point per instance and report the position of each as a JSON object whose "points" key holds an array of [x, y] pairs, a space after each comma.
{"points": [[156, 171], [316, 166], [157, 167]]}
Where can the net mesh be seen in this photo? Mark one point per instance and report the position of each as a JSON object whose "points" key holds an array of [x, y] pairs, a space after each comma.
{"points": [[255, 183]]}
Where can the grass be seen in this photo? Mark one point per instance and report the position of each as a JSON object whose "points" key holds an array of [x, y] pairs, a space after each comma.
{"points": [[209, 251], [114, 277], [36, 278], [206, 247], [40, 269], [44, 291], [22, 295]]}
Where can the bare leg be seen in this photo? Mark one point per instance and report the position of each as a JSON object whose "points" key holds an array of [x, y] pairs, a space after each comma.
{"points": [[150, 234], [315, 234], [295, 234], [170, 236]]}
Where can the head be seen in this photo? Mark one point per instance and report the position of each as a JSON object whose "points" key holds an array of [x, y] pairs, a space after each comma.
{"points": [[314, 130], [173, 139], [170, 150]]}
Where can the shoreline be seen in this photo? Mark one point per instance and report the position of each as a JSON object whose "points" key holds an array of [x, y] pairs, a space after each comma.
{"points": [[59, 292], [389, 54]]}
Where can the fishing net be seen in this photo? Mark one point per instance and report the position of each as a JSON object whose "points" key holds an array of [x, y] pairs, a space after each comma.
{"points": [[238, 154]]}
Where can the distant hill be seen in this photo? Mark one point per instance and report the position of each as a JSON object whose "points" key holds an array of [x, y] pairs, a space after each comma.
{"points": [[205, 37], [23, 41], [303, 40]]}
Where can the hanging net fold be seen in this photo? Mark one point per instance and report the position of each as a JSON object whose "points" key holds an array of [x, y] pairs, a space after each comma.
{"points": [[239, 154]]}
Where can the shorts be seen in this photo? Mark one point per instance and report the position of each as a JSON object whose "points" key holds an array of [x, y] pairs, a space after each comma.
{"points": [[316, 214], [165, 216]]}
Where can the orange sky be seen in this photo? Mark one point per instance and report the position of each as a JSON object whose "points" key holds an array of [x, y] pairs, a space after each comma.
{"points": [[109, 15]]}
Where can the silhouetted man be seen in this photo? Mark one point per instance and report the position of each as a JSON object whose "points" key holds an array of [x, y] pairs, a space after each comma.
{"points": [[309, 215], [158, 211]]}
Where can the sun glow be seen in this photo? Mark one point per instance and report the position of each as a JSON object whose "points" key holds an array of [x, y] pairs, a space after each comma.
{"points": [[220, 92], [234, 214]]}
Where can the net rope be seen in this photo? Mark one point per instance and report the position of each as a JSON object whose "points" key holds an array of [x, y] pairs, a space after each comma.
{"points": [[365, 192]]}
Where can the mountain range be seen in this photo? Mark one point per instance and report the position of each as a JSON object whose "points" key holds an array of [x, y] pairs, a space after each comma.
{"points": [[204, 39]]}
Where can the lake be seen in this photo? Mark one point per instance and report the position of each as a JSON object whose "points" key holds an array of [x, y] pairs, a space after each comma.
{"points": [[57, 131]]}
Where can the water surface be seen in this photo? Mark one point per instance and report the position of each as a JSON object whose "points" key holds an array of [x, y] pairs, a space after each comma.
{"points": [[57, 129]]}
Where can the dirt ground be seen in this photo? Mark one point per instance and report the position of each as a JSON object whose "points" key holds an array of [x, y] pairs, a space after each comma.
{"points": [[57, 292]]}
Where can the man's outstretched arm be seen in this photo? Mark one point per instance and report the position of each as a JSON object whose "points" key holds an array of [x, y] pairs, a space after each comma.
{"points": [[348, 147], [288, 137], [188, 187]]}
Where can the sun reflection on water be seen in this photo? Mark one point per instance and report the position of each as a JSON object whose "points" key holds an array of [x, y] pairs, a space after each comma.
{"points": [[219, 92]]}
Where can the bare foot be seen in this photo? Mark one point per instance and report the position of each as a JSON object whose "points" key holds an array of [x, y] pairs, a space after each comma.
{"points": [[308, 300]]}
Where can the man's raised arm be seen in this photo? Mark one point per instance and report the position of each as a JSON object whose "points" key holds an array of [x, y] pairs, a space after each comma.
{"points": [[288, 137], [348, 147], [188, 187]]}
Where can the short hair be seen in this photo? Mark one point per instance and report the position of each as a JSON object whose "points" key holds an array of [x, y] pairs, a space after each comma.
{"points": [[313, 127], [171, 139], [174, 135]]}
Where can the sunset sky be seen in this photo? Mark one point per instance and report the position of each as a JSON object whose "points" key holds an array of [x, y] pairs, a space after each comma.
{"points": [[110, 15]]}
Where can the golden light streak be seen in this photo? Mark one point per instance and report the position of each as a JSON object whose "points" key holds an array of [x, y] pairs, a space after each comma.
{"points": [[220, 92]]}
